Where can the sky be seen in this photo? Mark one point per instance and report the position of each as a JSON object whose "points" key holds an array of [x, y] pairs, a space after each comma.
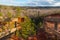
{"points": [[30, 2]]}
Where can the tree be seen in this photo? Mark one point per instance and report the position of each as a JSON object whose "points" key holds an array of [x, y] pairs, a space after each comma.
{"points": [[28, 28]]}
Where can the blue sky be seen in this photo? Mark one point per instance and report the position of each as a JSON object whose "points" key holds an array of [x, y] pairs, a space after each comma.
{"points": [[30, 2]]}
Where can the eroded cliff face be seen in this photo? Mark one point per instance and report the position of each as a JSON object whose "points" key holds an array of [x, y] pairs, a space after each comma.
{"points": [[33, 11]]}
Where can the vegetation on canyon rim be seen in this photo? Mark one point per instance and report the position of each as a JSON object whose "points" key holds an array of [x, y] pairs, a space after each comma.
{"points": [[28, 26]]}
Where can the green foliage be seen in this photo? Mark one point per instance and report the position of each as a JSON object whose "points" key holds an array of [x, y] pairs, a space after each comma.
{"points": [[9, 14], [0, 14], [17, 15], [27, 28], [18, 10]]}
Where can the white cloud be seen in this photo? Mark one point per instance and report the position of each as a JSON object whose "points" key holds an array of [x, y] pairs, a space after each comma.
{"points": [[6, 0], [30, 2], [40, 2], [56, 4], [50, 1]]}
